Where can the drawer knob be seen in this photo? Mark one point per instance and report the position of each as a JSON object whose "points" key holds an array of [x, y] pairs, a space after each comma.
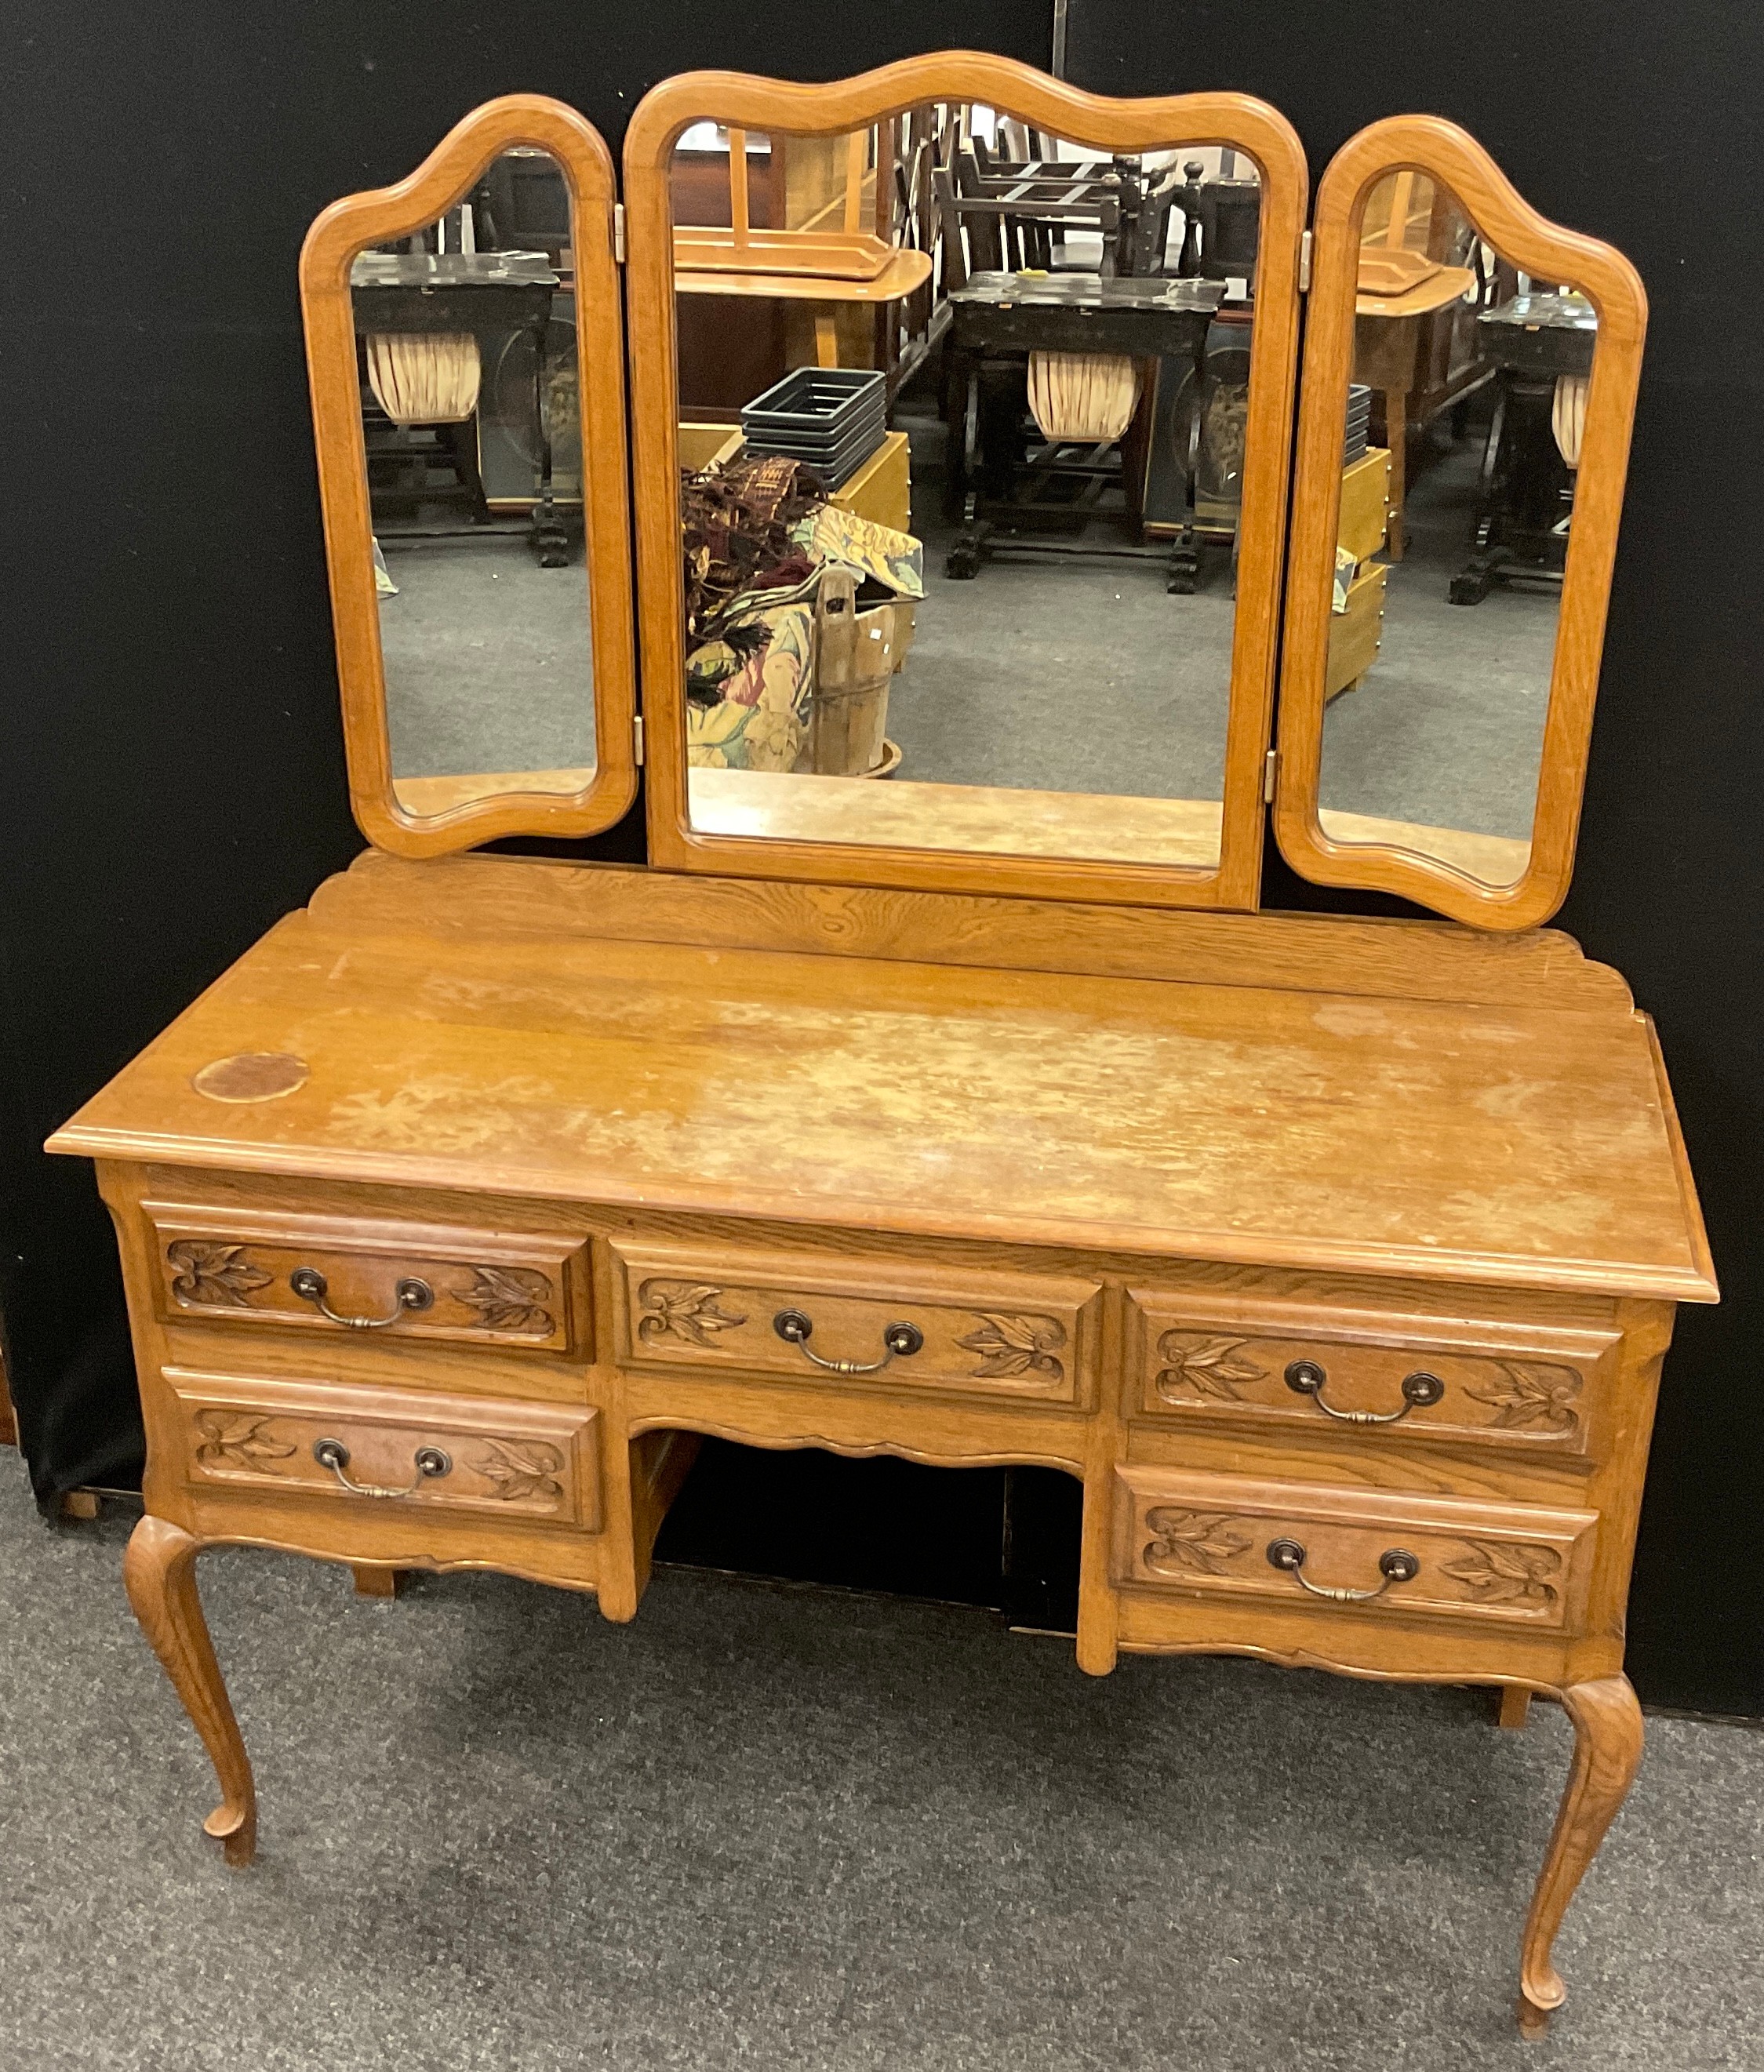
{"points": [[1396, 1565], [900, 1341], [410, 1294], [1306, 1377], [431, 1462]]}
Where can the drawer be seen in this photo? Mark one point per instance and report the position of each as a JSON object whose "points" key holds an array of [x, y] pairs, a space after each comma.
{"points": [[1533, 1391], [527, 1462], [1031, 1337], [1354, 634], [341, 1273], [1365, 504], [1378, 1555]]}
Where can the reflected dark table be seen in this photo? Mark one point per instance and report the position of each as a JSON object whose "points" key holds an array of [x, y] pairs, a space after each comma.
{"points": [[487, 294]]}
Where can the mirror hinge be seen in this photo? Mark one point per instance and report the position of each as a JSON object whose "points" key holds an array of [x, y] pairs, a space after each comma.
{"points": [[1304, 260], [1270, 763], [637, 738], [618, 231]]}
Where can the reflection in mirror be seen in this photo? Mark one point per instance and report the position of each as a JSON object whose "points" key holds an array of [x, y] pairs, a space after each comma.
{"points": [[465, 354], [962, 411], [1457, 491]]}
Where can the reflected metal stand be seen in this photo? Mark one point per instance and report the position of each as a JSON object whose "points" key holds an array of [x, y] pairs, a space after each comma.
{"points": [[997, 321], [1525, 499], [488, 294]]}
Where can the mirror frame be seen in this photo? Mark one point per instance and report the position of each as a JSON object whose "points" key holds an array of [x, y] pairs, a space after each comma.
{"points": [[742, 101], [345, 230], [1448, 155]]}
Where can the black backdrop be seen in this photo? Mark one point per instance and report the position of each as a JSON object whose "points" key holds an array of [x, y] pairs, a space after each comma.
{"points": [[172, 775]]}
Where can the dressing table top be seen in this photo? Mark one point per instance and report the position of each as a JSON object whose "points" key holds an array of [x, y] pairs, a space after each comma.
{"points": [[477, 1023]]}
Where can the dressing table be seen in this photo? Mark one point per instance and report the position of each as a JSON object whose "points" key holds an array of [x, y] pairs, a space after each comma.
{"points": [[1335, 1257]]}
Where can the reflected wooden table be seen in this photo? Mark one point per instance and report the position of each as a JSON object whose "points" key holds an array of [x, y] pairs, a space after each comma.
{"points": [[1387, 334], [905, 271]]}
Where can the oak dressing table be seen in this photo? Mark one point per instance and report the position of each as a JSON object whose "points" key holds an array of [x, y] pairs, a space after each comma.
{"points": [[1336, 1258]]}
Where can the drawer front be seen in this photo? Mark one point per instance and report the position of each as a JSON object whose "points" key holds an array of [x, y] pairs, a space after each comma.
{"points": [[397, 1280], [530, 1463], [1354, 634], [1026, 1336], [1530, 1391], [1380, 1555]]}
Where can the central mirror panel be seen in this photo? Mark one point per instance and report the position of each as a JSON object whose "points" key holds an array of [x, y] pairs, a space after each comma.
{"points": [[962, 401], [961, 413]]}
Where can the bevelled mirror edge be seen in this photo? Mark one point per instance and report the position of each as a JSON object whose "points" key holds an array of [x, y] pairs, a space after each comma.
{"points": [[344, 230], [1439, 151], [754, 104]]}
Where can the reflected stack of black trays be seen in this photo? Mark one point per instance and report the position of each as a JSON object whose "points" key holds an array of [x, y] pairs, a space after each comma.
{"points": [[1359, 418], [830, 418]]}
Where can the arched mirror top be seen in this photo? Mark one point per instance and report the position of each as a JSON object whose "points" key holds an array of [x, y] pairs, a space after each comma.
{"points": [[464, 340], [1469, 384]]}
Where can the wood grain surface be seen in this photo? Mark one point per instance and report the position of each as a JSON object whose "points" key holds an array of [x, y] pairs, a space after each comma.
{"points": [[1253, 1124]]}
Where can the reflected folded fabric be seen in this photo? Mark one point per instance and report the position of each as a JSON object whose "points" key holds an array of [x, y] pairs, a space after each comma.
{"points": [[1083, 396], [424, 378], [1568, 416]]}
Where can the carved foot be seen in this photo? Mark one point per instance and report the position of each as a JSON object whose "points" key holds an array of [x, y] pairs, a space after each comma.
{"points": [[1516, 1704], [159, 1571], [1533, 2022], [378, 1582], [1607, 1752]]}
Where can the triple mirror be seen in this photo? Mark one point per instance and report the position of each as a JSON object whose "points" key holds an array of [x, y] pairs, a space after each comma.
{"points": [[959, 411]]}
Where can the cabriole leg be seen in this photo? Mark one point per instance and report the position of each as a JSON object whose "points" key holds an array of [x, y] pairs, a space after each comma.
{"points": [[160, 1573], [1607, 1752]]}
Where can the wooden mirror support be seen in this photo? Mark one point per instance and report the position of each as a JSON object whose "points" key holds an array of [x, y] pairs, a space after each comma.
{"points": [[744, 103], [511, 805], [1427, 144]]}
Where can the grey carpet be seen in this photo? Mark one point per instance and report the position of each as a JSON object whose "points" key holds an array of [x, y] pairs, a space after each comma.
{"points": [[487, 660], [1053, 675], [1065, 675], [807, 1832], [1447, 726]]}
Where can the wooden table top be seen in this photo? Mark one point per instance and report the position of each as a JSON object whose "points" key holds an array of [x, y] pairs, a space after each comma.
{"points": [[1532, 1145], [1448, 285], [906, 271]]}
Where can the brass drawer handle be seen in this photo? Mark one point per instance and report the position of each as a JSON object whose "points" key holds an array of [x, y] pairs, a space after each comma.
{"points": [[900, 1341], [311, 1285], [431, 1463], [1396, 1565], [1306, 1377]]}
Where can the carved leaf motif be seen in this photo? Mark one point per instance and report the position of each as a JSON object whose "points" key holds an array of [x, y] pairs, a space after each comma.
{"points": [[682, 1309], [1210, 1366], [1016, 1345], [216, 1274], [1535, 1395], [520, 1467], [238, 1437], [1201, 1541], [1494, 1573], [508, 1298]]}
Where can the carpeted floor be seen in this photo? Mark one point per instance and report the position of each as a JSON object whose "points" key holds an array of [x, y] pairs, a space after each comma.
{"points": [[808, 1832], [1068, 675], [1447, 726], [487, 659]]}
